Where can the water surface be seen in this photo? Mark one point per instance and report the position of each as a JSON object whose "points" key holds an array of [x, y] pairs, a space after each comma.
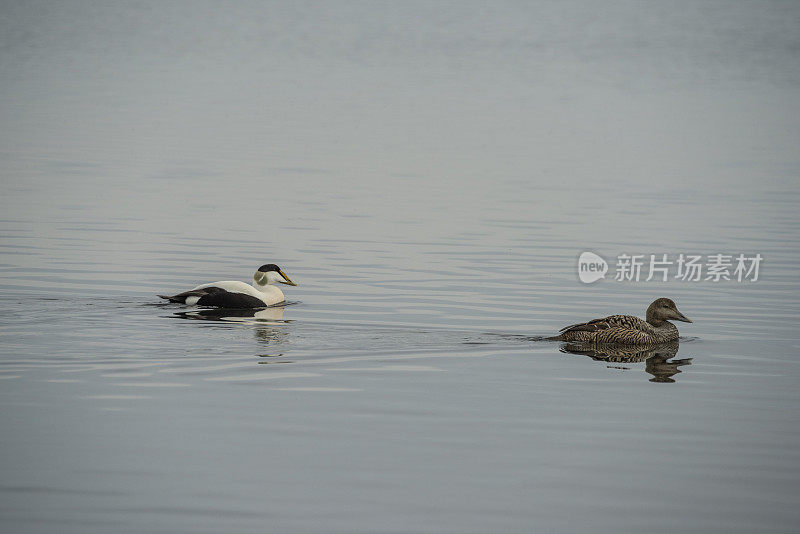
{"points": [[429, 175]]}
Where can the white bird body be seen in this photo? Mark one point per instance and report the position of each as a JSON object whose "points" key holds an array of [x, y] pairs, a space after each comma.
{"points": [[269, 294], [235, 294]]}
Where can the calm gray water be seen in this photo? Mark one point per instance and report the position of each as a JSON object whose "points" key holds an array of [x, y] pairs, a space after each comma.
{"points": [[429, 174]]}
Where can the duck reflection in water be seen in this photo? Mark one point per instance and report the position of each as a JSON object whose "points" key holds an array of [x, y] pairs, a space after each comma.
{"points": [[657, 358], [265, 320], [274, 313]]}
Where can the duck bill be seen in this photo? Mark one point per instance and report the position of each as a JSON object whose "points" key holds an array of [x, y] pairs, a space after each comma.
{"points": [[682, 317], [289, 282]]}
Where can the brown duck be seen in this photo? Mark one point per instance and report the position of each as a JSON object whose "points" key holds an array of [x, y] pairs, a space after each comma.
{"points": [[627, 329]]}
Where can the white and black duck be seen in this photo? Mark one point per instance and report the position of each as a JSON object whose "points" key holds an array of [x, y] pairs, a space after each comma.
{"points": [[233, 294]]}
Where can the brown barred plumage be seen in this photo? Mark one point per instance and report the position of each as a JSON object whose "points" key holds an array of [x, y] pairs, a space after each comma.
{"points": [[627, 329]]}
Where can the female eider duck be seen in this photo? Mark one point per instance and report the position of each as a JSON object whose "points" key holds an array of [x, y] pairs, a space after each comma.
{"points": [[232, 294], [627, 329]]}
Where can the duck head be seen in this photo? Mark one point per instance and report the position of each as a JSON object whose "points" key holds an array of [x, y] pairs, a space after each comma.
{"points": [[663, 310], [271, 274]]}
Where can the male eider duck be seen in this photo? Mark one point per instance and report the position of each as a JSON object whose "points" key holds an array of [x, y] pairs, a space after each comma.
{"points": [[232, 294], [627, 329]]}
